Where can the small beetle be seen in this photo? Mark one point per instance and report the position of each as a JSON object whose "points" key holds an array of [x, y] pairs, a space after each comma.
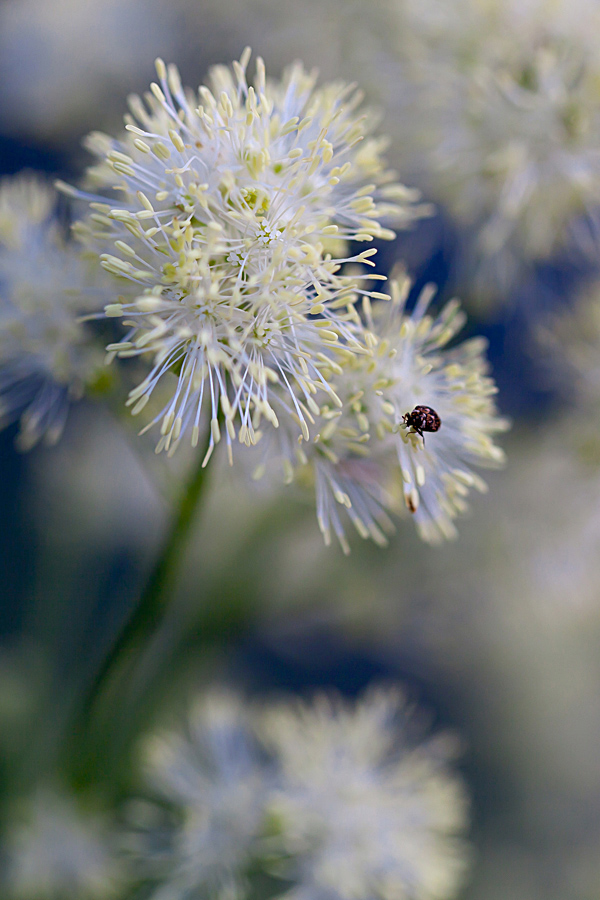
{"points": [[422, 418]]}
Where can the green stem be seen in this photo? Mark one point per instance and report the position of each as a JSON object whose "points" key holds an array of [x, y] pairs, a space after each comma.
{"points": [[152, 608]]}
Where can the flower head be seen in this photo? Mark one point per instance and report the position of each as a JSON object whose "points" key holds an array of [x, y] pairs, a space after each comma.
{"points": [[412, 349], [46, 353], [359, 812], [214, 776], [236, 208], [505, 125], [334, 798], [366, 457]]}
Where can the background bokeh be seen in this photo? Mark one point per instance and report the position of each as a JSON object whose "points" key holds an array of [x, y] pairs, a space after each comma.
{"points": [[496, 636]]}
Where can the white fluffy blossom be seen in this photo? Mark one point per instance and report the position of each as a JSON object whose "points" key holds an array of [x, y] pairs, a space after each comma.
{"points": [[46, 352], [56, 851], [213, 776], [228, 236], [365, 458], [504, 124], [424, 367], [334, 799], [359, 811]]}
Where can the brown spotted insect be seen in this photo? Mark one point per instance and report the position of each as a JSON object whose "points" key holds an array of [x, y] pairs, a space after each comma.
{"points": [[422, 418]]}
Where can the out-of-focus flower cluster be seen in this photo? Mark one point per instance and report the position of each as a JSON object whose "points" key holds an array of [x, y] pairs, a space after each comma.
{"points": [[47, 355], [329, 799], [504, 126]]}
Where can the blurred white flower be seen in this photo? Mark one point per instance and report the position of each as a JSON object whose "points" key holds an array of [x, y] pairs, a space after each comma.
{"points": [[56, 851], [232, 225], [360, 812], [365, 457], [504, 124], [332, 796], [46, 354], [215, 777]]}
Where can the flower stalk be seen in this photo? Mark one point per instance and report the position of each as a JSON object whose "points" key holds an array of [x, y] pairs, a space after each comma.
{"points": [[148, 615]]}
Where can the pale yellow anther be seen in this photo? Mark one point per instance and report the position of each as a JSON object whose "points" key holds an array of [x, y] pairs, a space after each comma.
{"points": [[161, 150], [125, 248], [157, 92], [176, 140]]}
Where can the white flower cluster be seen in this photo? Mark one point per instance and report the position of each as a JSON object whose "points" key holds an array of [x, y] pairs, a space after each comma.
{"points": [[504, 126], [331, 798], [214, 778], [46, 354], [229, 246], [236, 208], [366, 457]]}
